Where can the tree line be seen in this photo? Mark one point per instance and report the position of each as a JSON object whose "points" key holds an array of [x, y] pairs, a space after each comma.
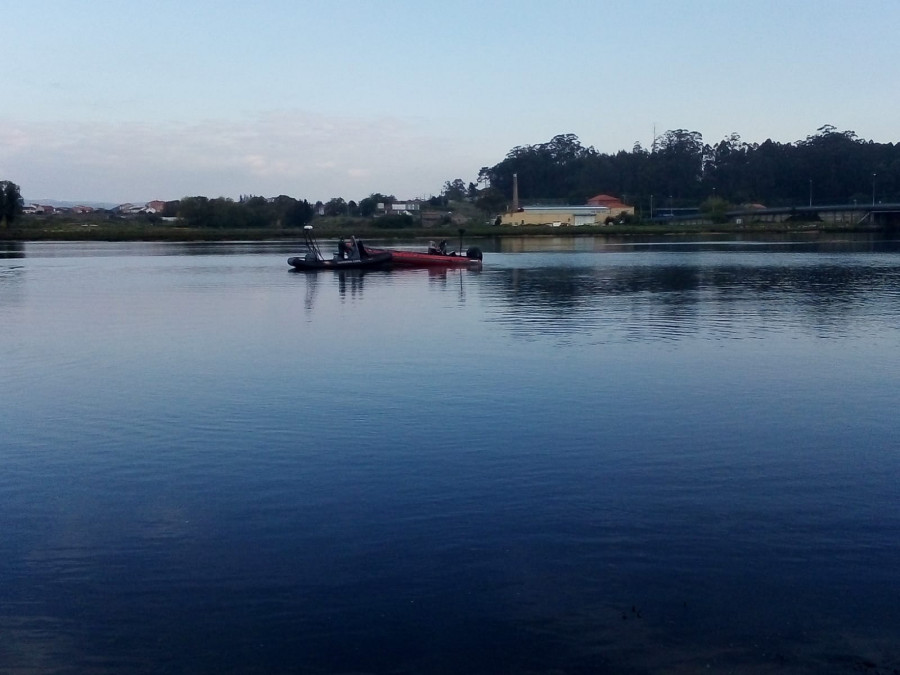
{"points": [[828, 167], [678, 170], [250, 211], [10, 203], [247, 213]]}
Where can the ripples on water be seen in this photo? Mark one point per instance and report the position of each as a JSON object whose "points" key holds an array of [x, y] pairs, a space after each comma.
{"points": [[588, 457], [670, 296]]}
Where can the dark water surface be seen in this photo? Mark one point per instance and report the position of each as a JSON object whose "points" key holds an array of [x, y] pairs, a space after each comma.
{"points": [[587, 457]]}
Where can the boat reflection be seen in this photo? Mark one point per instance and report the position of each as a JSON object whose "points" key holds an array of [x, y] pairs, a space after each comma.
{"points": [[351, 283]]}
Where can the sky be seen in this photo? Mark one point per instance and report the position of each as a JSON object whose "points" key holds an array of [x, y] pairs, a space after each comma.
{"points": [[125, 101]]}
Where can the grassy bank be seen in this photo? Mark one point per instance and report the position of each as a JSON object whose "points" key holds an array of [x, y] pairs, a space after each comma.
{"points": [[52, 230]]}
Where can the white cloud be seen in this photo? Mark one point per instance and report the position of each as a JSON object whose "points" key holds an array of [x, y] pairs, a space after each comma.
{"points": [[288, 152]]}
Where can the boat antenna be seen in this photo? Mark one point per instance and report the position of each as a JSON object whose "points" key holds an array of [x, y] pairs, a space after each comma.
{"points": [[462, 231], [311, 242]]}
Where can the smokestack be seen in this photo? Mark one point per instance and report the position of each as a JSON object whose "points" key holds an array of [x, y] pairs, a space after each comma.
{"points": [[515, 206]]}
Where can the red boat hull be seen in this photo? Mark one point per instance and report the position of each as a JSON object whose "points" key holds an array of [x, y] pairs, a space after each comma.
{"points": [[416, 259]]}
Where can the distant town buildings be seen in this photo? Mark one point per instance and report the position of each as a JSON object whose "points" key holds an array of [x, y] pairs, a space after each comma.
{"points": [[399, 208], [139, 209], [154, 207]]}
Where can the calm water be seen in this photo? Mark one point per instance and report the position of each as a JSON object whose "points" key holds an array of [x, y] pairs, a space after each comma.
{"points": [[587, 457]]}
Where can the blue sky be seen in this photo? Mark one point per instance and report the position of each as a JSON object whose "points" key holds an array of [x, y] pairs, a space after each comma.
{"points": [[130, 101]]}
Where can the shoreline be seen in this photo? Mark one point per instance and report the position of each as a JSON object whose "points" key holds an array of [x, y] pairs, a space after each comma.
{"points": [[143, 232]]}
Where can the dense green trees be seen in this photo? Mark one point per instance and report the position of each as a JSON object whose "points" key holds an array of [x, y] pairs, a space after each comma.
{"points": [[248, 212], [560, 170], [831, 166], [679, 169], [292, 212], [10, 203], [455, 190], [490, 200], [336, 206], [369, 205]]}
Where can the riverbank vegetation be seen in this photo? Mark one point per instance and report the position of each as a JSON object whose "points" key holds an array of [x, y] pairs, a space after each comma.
{"points": [[10, 204], [31, 229], [679, 173]]}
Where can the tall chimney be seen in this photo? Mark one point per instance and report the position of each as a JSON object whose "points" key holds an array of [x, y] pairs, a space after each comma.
{"points": [[515, 206]]}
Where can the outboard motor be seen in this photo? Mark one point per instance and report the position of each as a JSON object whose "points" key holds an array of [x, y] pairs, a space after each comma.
{"points": [[474, 252]]}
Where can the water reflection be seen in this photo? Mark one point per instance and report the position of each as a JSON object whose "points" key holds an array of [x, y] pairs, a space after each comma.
{"points": [[69, 249], [446, 490], [691, 295], [351, 284], [350, 281], [288, 246], [12, 277], [12, 249], [312, 287], [809, 242]]}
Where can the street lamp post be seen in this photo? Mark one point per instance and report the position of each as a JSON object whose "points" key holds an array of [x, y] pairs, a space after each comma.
{"points": [[873, 188], [810, 191]]}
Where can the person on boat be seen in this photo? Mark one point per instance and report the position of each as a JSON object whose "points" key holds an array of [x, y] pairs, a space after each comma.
{"points": [[363, 253], [354, 249], [442, 247], [343, 249], [432, 249]]}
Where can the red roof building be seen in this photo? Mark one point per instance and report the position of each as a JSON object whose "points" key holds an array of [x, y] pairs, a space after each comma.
{"points": [[608, 201]]}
